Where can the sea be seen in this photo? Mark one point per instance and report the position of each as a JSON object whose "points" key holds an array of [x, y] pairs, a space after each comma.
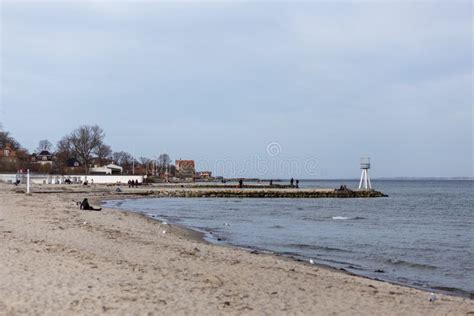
{"points": [[421, 235]]}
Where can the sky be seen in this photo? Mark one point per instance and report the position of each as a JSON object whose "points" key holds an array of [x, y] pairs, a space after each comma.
{"points": [[256, 89]]}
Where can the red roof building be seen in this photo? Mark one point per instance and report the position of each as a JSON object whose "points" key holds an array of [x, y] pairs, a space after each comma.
{"points": [[8, 153], [185, 168]]}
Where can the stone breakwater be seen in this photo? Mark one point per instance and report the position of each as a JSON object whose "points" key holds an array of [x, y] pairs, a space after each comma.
{"points": [[257, 193]]}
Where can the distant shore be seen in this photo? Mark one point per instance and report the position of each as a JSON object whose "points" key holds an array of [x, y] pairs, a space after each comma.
{"points": [[58, 259]]}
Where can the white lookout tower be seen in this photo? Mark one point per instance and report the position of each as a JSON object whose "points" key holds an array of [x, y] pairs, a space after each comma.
{"points": [[364, 178]]}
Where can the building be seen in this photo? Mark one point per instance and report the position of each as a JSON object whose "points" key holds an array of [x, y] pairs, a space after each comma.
{"points": [[43, 158], [109, 169], [73, 166], [185, 169], [8, 154], [73, 163], [204, 175]]}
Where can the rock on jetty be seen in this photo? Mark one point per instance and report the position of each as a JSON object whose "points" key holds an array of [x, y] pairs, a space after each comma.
{"points": [[256, 193]]}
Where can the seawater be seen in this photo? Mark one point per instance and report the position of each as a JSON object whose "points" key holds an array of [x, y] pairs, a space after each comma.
{"points": [[422, 235]]}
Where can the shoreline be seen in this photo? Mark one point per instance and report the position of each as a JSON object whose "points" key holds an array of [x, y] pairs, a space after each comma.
{"points": [[200, 236], [58, 259]]}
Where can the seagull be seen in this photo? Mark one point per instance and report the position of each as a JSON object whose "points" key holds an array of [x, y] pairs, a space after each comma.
{"points": [[226, 224], [311, 261], [433, 297]]}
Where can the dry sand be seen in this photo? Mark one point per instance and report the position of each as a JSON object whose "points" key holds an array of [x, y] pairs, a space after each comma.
{"points": [[58, 260]]}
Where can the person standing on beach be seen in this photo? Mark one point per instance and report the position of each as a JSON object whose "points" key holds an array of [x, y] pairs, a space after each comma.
{"points": [[292, 181], [241, 183], [297, 184]]}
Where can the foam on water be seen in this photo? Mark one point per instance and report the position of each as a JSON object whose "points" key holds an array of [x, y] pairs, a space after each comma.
{"points": [[339, 217]]}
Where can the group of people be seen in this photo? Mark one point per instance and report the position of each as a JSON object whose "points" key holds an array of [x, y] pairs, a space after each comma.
{"points": [[133, 183], [292, 183], [343, 188]]}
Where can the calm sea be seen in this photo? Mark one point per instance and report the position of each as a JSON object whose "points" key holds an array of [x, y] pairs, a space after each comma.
{"points": [[421, 235]]}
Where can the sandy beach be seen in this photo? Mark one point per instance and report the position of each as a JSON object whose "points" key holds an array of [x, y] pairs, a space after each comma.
{"points": [[58, 260]]}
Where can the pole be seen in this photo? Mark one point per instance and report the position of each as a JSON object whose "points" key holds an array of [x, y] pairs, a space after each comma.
{"points": [[28, 181]]}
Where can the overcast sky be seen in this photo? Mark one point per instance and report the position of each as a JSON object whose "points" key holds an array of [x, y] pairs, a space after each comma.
{"points": [[249, 89]]}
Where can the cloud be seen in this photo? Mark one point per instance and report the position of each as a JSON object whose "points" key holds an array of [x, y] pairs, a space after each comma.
{"points": [[317, 77]]}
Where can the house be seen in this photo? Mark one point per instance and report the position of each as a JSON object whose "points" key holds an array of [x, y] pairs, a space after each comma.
{"points": [[72, 163], [43, 158], [185, 168], [108, 169], [73, 166], [204, 175], [8, 154]]}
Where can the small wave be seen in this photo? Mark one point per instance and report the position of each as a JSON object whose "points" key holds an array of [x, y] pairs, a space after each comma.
{"points": [[397, 262], [347, 218], [312, 219], [454, 290], [315, 247], [277, 227]]}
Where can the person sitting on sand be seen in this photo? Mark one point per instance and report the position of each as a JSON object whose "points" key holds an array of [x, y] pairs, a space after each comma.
{"points": [[86, 207]]}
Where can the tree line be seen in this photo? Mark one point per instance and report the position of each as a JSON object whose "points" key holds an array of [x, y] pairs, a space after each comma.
{"points": [[85, 146]]}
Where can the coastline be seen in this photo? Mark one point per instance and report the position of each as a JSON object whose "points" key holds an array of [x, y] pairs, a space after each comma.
{"points": [[200, 236], [58, 259]]}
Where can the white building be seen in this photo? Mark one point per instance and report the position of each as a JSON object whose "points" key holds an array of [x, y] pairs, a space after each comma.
{"points": [[109, 169], [75, 179]]}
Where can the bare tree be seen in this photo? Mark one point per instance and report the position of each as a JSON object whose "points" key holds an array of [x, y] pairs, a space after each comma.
{"points": [[103, 153], [124, 159], [22, 157], [62, 154], [164, 160], [63, 148], [6, 138], [83, 142], [44, 145], [146, 162]]}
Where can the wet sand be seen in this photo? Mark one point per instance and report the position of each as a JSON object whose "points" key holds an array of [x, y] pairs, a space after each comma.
{"points": [[57, 259]]}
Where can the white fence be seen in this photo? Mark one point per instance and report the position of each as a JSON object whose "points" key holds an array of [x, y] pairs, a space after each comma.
{"points": [[75, 179]]}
